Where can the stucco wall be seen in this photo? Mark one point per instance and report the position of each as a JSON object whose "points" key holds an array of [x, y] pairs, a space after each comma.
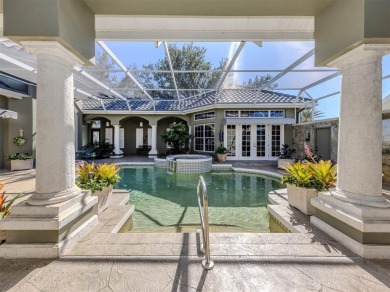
{"points": [[302, 132], [25, 108]]}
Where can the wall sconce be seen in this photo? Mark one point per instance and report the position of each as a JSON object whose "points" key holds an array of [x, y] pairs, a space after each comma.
{"points": [[107, 124], [141, 124], [308, 137]]}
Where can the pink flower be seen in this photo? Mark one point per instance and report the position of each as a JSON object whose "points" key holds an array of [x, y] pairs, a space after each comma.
{"points": [[309, 153]]}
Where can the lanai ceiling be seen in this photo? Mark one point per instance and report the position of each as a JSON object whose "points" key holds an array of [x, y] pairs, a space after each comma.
{"points": [[209, 7]]}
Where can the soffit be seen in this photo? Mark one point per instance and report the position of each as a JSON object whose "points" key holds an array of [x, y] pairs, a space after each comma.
{"points": [[209, 7]]}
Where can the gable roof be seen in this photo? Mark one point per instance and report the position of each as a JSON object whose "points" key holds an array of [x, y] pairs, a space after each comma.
{"points": [[226, 96]]}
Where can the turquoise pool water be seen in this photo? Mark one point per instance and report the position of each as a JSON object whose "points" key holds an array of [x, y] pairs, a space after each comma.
{"points": [[168, 203]]}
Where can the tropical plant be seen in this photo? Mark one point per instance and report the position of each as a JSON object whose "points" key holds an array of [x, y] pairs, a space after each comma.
{"points": [[101, 150], [325, 173], [309, 154], [306, 115], [95, 177], [316, 173], [19, 141], [19, 156], [221, 150], [299, 175], [177, 137], [286, 152], [6, 208]]}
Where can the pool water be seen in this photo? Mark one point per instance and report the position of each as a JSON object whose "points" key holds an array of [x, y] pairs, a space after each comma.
{"points": [[168, 203]]}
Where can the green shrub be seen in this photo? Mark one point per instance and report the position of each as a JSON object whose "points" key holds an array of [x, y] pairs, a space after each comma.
{"points": [[19, 156]]}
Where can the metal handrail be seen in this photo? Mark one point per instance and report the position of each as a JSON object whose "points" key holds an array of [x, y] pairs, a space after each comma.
{"points": [[207, 263]]}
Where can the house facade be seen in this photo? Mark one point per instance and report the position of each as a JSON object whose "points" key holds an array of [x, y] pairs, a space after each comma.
{"points": [[251, 124]]}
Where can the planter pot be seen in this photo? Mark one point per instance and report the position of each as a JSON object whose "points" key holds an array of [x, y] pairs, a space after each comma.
{"points": [[221, 157], [284, 162], [104, 199], [300, 198], [21, 164]]}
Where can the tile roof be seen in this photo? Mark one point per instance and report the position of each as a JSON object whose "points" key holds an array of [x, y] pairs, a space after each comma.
{"points": [[226, 96]]}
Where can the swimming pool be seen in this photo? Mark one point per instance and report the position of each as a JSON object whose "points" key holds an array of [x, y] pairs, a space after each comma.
{"points": [[167, 202]]}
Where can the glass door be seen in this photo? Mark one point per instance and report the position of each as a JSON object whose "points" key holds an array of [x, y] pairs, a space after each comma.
{"points": [[246, 141], [257, 142], [231, 141], [260, 140]]}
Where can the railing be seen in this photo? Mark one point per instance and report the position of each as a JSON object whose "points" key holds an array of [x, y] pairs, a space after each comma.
{"points": [[207, 263]]}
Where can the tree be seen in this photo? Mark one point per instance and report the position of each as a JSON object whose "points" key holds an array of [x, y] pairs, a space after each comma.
{"points": [[103, 64], [259, 81], [189, 57], [177, 137], [306, 115]]}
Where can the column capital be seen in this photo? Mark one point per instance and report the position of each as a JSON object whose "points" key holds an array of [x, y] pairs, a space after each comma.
{"points": [[364, 53], [52, 48]]}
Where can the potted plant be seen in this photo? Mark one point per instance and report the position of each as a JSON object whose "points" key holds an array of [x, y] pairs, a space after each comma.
{"points": [[21, 161], [99, 179], [177, 138], [5, 209], [19, 141], [285, 156], [304, 181], [221, 153]]}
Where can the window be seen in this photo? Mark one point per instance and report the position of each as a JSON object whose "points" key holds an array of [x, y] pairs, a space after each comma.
{"points": [[254, 114], [205, 116], [231, 114], [204, 137], [277, 114], [95, 136], [96, 124]]}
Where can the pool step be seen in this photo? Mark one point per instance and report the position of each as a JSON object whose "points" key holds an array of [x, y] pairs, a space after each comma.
{"points": [[188, 244]]}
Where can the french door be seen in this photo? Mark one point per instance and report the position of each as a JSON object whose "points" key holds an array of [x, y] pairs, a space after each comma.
{"points": [[253, 142]]}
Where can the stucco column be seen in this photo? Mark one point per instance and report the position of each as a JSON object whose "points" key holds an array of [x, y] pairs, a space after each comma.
{"points": [[153, 151], [360, 129], [356, 213], [117, 151], [55, 153]]}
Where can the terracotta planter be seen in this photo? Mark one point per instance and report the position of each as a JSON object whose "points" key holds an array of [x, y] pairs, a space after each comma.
{"points": [[221, 157], [21, 164], [104, 199], [284, 162], [300, 198]]}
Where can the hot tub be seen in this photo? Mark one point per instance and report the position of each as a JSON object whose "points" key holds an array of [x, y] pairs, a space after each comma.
{"points": [[189, 163]]}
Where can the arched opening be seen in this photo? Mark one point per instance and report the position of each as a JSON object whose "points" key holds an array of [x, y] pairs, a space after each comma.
{"points": [[136, 136], [162, 126]]}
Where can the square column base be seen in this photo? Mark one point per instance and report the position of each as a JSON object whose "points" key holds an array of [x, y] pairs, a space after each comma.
{"points": [[364, 230], [45, 231]]}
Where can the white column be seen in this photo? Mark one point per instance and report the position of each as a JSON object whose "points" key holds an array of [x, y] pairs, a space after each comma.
{"points": [[55, 153], [117, 151], [153, 151], [360, 129], [356, 213]]}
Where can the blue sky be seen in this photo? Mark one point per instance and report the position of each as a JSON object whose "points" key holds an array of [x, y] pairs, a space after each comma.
{"points": [[270, 56]]}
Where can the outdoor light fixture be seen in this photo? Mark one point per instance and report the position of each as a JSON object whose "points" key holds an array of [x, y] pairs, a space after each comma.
{"points": [[107, 124], [141, 124]]}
